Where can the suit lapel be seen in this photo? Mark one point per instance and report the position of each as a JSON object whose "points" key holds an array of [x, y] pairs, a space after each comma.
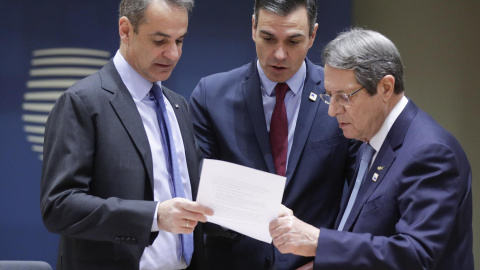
{"points": [[253, 100], [374, 177], [123, 104], [384, 160], [306, 116]]}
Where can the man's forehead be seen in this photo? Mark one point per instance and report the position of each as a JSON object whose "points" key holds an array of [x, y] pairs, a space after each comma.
{"points": [[298, 17]]}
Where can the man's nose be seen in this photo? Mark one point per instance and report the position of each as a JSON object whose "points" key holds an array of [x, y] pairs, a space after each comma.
{"points": [[334, 108], [280, 53]]}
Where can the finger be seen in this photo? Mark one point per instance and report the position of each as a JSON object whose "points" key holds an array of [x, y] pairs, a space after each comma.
{"points": [[198, 208], [191, 223], [274, 224], [284, 211], [282, 245], [193, 216], [182, 210], [275, 228], [185, 226]]}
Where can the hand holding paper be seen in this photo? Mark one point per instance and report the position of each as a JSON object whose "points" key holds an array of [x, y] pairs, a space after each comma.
{"points": [[291, 235]]}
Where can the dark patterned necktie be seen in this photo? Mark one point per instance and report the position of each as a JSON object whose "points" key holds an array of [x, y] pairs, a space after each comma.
{"points": [[279, 130]]}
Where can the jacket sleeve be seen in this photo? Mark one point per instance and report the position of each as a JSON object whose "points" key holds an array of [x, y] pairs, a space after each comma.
{"points": [[200, 114]]}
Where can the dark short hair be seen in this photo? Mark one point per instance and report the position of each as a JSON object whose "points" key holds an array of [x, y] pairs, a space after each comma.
{"points": [[134, 10], [285, 7], [369, 54]]}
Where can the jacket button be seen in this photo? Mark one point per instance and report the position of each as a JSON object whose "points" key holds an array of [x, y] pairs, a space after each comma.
{"points": [[268, 262]]}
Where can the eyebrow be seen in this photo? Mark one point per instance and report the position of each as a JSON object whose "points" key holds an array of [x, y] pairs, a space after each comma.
{"points": [[266, 32], [270, 34], [158, 33]]}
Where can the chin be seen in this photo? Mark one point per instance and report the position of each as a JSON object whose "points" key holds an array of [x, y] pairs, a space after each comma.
{"points": [[279, 78], [163, 77], [347, 135]]}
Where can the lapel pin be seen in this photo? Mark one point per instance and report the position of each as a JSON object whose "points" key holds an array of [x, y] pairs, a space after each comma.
{"points": [[176, 106], [380, 168], [375, 177], [313, 96]]}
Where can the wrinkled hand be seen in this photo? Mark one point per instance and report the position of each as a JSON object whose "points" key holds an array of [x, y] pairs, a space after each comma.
{"points": [[180, 215], [291, 235], [284, 211]]}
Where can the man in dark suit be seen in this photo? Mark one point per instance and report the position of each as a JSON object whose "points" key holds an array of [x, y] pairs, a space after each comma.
{"points": [[116, 183], [412, 208], [235, 119]]}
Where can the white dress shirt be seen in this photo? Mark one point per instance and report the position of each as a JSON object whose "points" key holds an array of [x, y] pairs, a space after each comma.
{"points": [[163, 253], [377, 140]]}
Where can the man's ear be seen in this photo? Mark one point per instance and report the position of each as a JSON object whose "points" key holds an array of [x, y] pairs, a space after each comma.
{"points": [[386, 87], [125, 29], [312, 37]]}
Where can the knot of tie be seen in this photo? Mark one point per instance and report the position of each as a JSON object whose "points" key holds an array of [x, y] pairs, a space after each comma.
{"points": [[280, 91], [156, 91], [368, 152]]}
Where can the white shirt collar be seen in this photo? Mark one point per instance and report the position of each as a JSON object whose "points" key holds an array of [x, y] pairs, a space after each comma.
{"points": [[377, 140], [295, 82], [135, 83]]}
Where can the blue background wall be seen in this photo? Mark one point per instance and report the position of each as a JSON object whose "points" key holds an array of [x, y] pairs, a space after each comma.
{"points": [[219, 39]]}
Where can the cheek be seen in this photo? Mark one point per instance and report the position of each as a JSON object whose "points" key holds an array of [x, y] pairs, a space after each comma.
{"points": [[300, 52], [260, 50], [180, 50], [359, 119]]}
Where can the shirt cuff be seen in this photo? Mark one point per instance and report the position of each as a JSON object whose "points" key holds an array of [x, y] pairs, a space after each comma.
{"points": [[155, 223]]}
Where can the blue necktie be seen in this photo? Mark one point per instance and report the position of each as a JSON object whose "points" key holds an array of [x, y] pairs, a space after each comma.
{"points": [[367, 155], [172, 164]]}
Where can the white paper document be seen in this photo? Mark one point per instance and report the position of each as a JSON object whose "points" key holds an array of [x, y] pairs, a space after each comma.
{"points": [[243, 199]]}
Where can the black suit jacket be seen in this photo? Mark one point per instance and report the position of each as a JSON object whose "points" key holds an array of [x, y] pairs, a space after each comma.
{"points": [[227, 113], [97, 175]]}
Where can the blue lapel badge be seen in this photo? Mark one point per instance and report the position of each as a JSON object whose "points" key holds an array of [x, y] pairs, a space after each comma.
{"points": [[375, 177], [313, 96]]}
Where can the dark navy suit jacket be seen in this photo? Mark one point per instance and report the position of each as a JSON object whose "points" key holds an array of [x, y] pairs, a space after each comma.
{"points": [[417, 214], [229, 122]]}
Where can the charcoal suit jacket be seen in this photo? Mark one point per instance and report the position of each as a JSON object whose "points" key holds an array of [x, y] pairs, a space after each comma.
{"points": [[97, 175]]}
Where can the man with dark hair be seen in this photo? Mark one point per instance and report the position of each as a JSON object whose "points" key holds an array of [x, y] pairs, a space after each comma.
{"points": [[410, 206], [121, 166], [266, 115]]}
